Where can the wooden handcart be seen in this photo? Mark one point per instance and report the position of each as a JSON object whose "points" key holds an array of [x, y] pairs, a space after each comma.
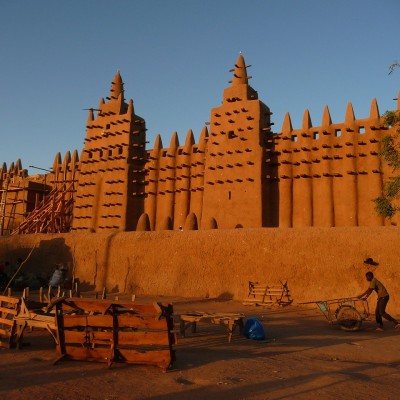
{"points": [[348, 313]]}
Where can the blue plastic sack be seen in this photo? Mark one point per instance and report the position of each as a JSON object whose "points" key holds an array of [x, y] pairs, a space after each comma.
{"points": [[253, 329]]}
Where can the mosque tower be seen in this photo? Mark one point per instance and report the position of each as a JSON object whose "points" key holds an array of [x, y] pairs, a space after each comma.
{"points": [[111, 180], [234, 185]]}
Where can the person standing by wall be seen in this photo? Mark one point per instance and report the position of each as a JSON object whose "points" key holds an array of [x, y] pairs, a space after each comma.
{"points": [[383, 299]]}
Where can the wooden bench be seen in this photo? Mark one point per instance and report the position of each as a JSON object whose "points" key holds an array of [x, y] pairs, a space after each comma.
{"points": [[112, 331], [231, 321], [266, 295]]}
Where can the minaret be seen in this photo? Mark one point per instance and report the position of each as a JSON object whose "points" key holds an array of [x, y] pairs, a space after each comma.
{"points": [[110, 194], [233, 192]]}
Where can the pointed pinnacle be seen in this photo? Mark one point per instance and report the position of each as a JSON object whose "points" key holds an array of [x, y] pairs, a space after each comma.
{"points": [[374, 111], [240, 73], [189, 141], [287, 124], [203, 139], [326, 117], [349, 117], [158, 143], [307, 124], [117, 86], [174, 141]]}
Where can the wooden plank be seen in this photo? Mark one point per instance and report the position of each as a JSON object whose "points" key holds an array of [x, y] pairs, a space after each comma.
{"points": [[132, 321], [80, 336], [4, 321], [36, 323], [90, 305], [9, 299], [101, 306], [12, 311], [81, 353], [162, 358], [142, 309], [99, 321], [143, 338]]}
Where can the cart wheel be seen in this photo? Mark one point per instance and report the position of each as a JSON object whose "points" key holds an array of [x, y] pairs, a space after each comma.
{"points": [[349, 318]]}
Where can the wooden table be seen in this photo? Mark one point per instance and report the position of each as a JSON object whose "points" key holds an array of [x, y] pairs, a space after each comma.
{"points": [[231, 321]]}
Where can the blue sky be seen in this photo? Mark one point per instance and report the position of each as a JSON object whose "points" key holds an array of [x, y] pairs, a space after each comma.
{"points": [[59, 57]]}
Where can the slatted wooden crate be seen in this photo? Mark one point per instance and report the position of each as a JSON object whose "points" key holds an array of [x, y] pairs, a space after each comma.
{"points": [[265, 295], [9, 308], [111, 331]]}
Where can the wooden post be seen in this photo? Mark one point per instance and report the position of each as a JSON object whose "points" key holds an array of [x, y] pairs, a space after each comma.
{"points": [[9, 291], [41, 294], [104, 294], [133, 298]]}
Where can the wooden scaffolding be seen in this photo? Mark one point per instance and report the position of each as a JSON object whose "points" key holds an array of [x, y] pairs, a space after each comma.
{"points": [[8, 205], [52, 215]]}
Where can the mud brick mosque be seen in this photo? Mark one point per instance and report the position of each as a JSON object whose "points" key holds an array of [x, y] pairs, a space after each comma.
{"points": [[239, 174]]}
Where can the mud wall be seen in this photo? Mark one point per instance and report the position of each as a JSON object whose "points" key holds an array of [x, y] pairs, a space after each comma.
{"points": [[319, 263]]}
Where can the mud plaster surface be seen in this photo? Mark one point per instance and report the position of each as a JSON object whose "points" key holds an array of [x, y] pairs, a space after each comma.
{"points": [[318, 263], [302, 358]]}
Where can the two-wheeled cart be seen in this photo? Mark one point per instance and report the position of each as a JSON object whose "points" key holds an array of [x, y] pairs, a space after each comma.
{"points": [[348, 313]]}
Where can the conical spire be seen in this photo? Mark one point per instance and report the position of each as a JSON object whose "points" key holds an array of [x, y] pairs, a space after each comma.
{"points": [[90, 116], [326, 118], [174, 141], [287, 124], [189, 141], [100, 107], [130, 110], [3, 170], [57, 162], [203, 138], [349, 117], [374, 113], [117, 86], [307, 124], [74, 158], [240, 72], [157, 144], [67, 160], [18, 166]]}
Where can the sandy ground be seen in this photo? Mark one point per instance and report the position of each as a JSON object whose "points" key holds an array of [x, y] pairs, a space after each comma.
{"points": [[303, 358]]}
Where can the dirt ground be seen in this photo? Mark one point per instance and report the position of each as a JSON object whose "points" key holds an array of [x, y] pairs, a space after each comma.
{"points": [[303, 358]]}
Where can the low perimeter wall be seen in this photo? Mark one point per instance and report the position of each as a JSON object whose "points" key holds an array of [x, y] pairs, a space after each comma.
{"points": [[319, 263]]}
